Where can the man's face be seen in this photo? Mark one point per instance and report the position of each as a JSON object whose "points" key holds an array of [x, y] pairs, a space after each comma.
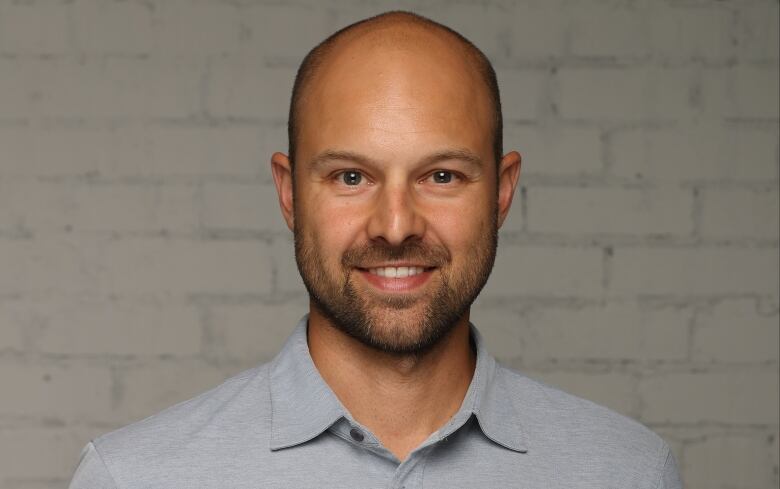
{"points": [[395, 213]]}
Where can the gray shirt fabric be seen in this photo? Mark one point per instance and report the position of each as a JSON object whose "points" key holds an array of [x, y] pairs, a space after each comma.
{"points": [[279, 425]]}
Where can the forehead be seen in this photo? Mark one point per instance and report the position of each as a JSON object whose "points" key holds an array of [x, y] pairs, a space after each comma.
{"points": [[419, 88]]}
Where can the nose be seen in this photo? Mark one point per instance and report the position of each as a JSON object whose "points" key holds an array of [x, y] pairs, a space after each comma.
{"points": [[395, 217]]}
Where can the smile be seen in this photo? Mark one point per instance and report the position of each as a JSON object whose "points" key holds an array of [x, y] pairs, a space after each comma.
{"points": [[399, 279], [396, 272]]}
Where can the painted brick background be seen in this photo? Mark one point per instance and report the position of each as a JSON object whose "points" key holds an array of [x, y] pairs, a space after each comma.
{"points": [[143, 258]]}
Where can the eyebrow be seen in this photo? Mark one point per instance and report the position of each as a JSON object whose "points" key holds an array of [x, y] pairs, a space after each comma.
{"points": [[449, 154]]}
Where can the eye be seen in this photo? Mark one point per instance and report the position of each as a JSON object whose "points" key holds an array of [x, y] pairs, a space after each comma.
{"points": [[351, 177], [442, 176]]}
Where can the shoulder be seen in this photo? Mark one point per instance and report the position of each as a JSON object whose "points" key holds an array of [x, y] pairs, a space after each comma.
{"points": [[207, 424], [581, 432]]}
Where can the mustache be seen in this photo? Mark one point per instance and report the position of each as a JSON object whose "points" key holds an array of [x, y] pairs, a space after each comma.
{"points": [[379, 252]]}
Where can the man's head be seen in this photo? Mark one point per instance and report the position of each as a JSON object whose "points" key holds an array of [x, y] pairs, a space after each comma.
{"points": [[399, 188], [318, 56]]}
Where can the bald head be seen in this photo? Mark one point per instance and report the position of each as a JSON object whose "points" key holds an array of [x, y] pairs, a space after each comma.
{"points": [[382, 37]]}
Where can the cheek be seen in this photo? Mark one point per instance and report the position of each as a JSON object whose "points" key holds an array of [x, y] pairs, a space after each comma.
{"points": [[460, 225], [333, 225]]}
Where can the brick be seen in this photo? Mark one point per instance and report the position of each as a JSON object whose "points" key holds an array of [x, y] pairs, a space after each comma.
{"points": [[503, 330], [58, 264], [538, 30], [75, 392], [523, 94], [273, 139], [144, 266], [691, 33], [40, 28], [28, 152], [615, 331], [98, 207], [287, 279], [112, 27], [195, 27], [732, 460], [460, 16], [238, 206], [197, 151], [739, 213], [147, 150], [89, 87], [269, 33], [701, 152], [611, 389], [182, 267], [515, 221], [736, 397], [594, 210], [22, 453], [154, 386], [757, 33], [241, 86], [570, 151], [255, 332], [736, 331], [11, 337], [550, 271], [774, 451], [741, 91], [624, 94], [694, 272], [606, 31], [86, 327]]}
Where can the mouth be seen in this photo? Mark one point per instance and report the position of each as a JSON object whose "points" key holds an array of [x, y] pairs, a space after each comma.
{"points": [[404, 278], [398, 272]]}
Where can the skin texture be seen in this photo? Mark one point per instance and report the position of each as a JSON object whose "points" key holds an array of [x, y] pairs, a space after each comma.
{"points": [[395, 167]]}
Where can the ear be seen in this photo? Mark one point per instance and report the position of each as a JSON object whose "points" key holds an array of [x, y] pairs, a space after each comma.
{"points": [[282, 172], [508, 176]]}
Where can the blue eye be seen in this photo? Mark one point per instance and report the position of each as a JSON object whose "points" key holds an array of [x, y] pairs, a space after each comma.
{"points": [[351, 177], [442, 176]]}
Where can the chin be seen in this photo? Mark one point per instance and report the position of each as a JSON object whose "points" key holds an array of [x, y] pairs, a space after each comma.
{"points": [[401, 332]]}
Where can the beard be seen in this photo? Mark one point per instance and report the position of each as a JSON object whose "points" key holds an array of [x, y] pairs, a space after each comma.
{"points": [[400, 325]]}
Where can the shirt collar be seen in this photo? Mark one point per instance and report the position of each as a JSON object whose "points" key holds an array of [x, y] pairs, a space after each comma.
{"points": [[303, 405], [494, 408]]}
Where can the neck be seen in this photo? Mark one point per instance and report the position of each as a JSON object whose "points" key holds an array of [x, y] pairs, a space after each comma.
{"points": [[401, 399]]}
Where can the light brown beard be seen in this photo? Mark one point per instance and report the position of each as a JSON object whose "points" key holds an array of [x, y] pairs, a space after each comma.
{"points": [[387, 327]]}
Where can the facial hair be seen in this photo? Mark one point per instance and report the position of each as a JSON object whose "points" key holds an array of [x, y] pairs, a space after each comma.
{"points": [[403, 325]]}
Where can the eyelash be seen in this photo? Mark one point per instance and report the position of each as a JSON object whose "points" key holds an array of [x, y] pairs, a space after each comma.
{"points": [[340, 175]]}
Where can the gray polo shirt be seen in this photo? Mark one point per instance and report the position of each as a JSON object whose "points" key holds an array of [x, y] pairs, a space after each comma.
{"points": [[280, 426]]}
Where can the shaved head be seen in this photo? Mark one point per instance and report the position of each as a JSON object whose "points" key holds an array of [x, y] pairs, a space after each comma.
{"points": [[400, 184], [395, 30]]}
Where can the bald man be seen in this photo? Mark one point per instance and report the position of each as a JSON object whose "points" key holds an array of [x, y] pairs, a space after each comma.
{"points": [[395, 185]]}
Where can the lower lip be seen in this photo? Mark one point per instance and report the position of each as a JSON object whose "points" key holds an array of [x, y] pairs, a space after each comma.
{"points": [[403, 284]]}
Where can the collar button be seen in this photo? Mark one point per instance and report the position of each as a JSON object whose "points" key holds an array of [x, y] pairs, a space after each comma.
{"points": [[356, 434]]}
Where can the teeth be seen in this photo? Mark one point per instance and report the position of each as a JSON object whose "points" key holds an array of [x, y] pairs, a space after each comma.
{"points": [[396, 272]]}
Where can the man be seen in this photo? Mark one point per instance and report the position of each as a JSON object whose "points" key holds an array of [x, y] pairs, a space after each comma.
{"points": [[395, 186]]}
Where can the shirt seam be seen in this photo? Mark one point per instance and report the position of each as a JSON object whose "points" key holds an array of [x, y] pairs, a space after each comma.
{"points": [[662, 462], [105, 465], [424, 463]]}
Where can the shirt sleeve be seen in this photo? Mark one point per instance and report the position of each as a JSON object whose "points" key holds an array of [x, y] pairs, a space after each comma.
{"points": [[670, 476], [92, 472]]}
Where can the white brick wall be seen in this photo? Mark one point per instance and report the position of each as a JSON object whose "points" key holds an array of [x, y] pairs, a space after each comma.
{"points": [[143, 258]]}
